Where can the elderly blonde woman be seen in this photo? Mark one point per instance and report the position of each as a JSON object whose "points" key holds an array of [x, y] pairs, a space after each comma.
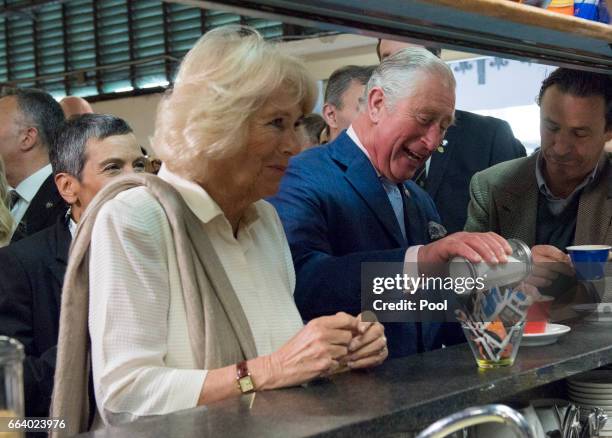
{"points": [[6, 220], [190, 277]]}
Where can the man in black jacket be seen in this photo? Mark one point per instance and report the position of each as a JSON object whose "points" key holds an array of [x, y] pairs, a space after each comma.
{"points": [[89, 151], [473, 143], [29, 122]]}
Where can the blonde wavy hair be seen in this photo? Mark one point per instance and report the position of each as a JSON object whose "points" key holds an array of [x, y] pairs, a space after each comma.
{"points": [[6, 220], [222, 82]]}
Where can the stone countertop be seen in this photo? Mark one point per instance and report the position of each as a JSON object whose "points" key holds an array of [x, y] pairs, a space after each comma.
{"points": [[402, 395]]}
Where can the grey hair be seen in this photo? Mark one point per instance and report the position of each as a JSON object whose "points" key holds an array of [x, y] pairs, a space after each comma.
{"points": [[313, 124], [340, 80], [68, 153], [399, 74], [39, 110]]}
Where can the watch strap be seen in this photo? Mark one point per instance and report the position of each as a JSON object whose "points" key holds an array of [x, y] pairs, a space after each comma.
{"points": [[243, 378]]}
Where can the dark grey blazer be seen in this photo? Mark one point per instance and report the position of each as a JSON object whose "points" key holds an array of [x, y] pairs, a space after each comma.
{"points": [[31, 277], [46, 206]]}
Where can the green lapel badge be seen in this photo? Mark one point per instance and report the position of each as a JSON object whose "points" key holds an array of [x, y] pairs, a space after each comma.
{"points": [[441, 147]]}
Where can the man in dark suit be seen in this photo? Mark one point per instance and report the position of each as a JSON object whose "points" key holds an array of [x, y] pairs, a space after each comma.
{"points": [[89, 151], [473, 143], [353, 202], [29, 120]]}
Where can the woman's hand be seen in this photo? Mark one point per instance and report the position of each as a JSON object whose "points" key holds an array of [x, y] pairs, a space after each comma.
{"points": [[369, 347], [314, 350]]}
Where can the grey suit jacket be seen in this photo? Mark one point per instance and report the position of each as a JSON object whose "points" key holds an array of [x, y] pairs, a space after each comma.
{"points": [[504, 199]]}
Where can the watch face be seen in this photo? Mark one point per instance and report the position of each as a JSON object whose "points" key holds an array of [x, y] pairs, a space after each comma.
{"points": [[246, 384]]}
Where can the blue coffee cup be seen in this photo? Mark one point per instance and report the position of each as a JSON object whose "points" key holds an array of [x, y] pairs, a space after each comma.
{"points": [[589, 260]]}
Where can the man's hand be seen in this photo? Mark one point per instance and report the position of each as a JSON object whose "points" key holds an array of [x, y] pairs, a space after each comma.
{"points": [[548, 263], [476, 247]]}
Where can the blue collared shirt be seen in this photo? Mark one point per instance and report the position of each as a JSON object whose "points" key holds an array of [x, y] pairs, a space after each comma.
{"points": [[27, 189], [391, 188]]}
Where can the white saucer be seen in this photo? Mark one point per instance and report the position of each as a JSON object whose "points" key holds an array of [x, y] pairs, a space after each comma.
{"points": [[550, 336]]}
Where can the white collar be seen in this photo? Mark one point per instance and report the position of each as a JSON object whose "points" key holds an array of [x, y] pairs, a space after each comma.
{"points": [[72, 226], [28, 188], [353, 136], [199, 201]]}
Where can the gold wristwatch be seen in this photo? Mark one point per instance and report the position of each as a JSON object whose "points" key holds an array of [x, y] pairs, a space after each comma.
{"points": [[243, 377]]}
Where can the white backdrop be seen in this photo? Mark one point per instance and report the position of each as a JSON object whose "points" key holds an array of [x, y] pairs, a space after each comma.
{"points": [[503, 88]]}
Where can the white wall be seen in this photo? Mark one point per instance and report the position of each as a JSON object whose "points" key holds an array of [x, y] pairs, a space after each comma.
{"points": [[139, 112], [505, 89]]}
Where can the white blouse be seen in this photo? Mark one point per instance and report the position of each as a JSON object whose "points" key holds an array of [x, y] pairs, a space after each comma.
{"points": [[142, 358]]}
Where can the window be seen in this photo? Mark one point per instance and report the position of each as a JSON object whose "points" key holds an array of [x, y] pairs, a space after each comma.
{"points": [[100, 48]]}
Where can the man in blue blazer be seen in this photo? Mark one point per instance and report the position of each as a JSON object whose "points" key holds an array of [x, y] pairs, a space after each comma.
{"points": [[473, 143], [352, 201]]}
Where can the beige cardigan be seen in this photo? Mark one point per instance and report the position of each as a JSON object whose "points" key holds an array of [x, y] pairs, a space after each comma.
{"points": [[210, 314]]}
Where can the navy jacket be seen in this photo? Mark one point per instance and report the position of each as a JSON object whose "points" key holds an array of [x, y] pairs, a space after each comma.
{"points": [[337, 215], [46, 206]]}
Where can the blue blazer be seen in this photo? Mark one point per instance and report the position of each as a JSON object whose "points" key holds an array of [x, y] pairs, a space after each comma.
{"points": [[337, 215]]}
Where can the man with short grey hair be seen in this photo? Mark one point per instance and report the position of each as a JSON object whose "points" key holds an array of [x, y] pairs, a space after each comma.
{"points": [[90, 151], [353, 201], [29, 120], [341, 101], [471, 144]]}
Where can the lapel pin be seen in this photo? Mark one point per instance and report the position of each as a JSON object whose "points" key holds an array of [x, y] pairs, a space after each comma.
{"points": [[49, 205], [441, 147]]}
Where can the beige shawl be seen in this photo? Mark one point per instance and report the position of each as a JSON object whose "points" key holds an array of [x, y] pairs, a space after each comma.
{"points": [[218, 329]]}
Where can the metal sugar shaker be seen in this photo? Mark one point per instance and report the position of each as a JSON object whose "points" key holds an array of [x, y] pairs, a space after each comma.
{"points": [[518, 267]]}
